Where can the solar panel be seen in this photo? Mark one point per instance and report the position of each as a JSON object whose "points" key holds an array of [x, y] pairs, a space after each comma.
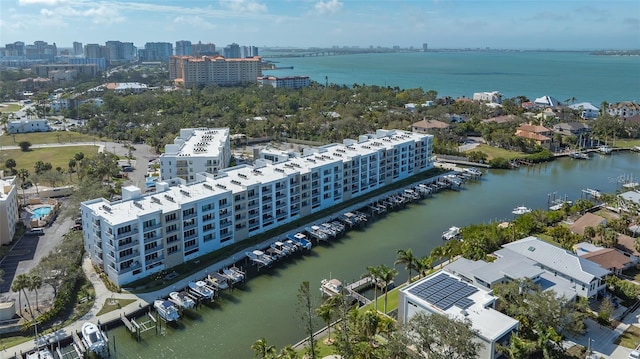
{"points": [[444, 292]]}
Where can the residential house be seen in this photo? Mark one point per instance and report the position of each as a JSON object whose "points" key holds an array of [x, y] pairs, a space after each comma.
{"points": [[610, 259], [587, 220], [501, 119], [627, 246], [572, 128], [586, 109], [623, 109], [447, 294], [589, 278], [539, 134], [491, 97], [26, 126], [511, 266], [547, 101], [428, 126]]}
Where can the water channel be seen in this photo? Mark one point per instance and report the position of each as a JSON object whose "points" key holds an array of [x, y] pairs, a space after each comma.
{"points": [[266, 306]]}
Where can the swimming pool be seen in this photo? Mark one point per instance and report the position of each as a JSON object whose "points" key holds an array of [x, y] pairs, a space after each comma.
{"points": [[40, 212]]}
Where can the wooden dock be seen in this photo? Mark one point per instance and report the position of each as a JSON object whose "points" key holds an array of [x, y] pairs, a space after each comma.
{"points": [[78, 343]]}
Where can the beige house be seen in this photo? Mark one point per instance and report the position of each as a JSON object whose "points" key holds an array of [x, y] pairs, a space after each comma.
{"points": [[587, 220], [428, 126]]}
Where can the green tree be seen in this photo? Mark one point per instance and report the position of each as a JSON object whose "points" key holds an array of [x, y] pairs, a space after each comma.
{"points": [[306, 305], [406, 258], [11, 165], [442, 337], [374, 273], [387, 275], [35, 283], [25, 146], [605, 311], [327, 311], [20, 283], [288, 353], [263, 350]]}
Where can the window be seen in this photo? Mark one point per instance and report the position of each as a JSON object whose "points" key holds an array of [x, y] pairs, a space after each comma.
{"points": [[172, 249]]}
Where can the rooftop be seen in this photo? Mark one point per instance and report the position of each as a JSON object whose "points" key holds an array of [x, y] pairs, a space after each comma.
{"points": [[445, 293], [587, 220], [202, 142], [608, 258], [555, 258]]}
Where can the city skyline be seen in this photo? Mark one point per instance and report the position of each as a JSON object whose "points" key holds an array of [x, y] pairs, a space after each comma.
{"points": [[571, 25]]}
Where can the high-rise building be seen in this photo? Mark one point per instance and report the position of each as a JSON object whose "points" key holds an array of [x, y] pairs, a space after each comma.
{"points": [[8, 209], [196, 150], [201, 49], [15, 49], [232, 51], [183, 48], [93, 51], [145, 234], [77, 48], [425, 47], [208, 70], [157, 51]]}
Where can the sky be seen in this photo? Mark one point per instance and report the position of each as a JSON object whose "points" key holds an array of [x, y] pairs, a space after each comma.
{"points": [[504, 24]]}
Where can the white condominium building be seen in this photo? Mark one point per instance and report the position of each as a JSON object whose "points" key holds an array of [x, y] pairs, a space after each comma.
{"points": [[143, 234], [196, 150], [206, 70], [8, 209]]}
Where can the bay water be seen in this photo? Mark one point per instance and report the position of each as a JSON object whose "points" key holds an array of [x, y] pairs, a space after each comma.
{"points": [[266, 307], [563, 75]]}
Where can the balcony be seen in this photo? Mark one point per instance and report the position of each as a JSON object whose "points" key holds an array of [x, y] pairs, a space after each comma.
{"points": [[134, 254], [128, 245], [130, 233], [189, 215], [154, 249], [149, 228]]}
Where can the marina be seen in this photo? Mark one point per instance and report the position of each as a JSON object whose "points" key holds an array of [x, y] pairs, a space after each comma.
{"points": [[421, 225]]}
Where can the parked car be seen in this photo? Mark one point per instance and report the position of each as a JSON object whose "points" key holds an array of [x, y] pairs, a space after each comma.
{"points": [[35, 232], [635, 354]]}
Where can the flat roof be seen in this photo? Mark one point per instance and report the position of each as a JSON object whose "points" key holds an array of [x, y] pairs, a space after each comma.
{"points": [[198, 142], [469, 302]]}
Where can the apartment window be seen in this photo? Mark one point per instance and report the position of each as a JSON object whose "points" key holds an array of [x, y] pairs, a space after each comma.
{"points": [[170, 217], [150, 257], [172, 249], [172, 239], [151, 245], [188, 212], [124, 229]]}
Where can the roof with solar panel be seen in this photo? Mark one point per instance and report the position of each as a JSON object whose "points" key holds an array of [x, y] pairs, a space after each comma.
{"points": [[446, 293]]}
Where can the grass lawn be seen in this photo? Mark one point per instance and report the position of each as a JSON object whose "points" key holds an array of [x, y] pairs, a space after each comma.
{"points": [[114, 304], [627, 142], [392, 300], [38, 138], [630, 338], [9, 107], [58, 156], [494, 152]]}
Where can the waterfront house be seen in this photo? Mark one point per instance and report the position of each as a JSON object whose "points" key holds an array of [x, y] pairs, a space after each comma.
{"points": [[547, 101], [511, 266], [447, 294], [623, 109], [610, 259], [538, 134], [572, 128], [587, 220], [490, 97], [627, 246], [588, 277], [429, 126], [586, 109]]}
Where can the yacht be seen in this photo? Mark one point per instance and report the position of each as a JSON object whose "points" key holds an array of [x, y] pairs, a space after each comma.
{"points": [[472, 171], [451, 233], [331, 287], [93, 337], [604, 149], [218, 281], [200, 289], [259, 258], [166, 310], [301, 240], [182, 300], [521, 210], [234, 274]]}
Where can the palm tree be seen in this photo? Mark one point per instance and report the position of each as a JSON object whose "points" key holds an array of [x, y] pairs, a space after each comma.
{"points": [[288, 353], [262, 349], [35, 283], [406, 258], [374, 273], [438, 253], [424, 265], [23, 174], [387, 275], [326, 311], [20, 283]]}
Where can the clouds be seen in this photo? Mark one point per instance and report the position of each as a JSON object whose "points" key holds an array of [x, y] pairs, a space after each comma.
{"points": [[328, 7], [244, 6]]}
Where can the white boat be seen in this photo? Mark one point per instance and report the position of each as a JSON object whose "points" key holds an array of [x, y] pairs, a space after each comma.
{"points": [[605, 150], [451, 233], [166, 310], [635, 148], [218, 281], [182, 300], [200, 288], [472, 171], [280, 249], [259, 258], [234, 274], [42, 353], [93, 337], [521, 210], [301, 240], [331, 287]]}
